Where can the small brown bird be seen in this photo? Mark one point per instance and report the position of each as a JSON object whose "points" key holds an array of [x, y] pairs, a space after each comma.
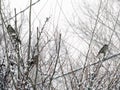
{"points": [[103, 50], [10, 29], [13, 34]]}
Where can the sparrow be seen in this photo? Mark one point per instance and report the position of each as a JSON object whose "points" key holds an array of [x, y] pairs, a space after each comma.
{"points": [[103, 50], [10, 30], [13, 34]]}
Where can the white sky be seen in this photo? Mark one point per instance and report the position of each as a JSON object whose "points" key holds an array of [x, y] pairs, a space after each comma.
{"points": [[46, 8]]}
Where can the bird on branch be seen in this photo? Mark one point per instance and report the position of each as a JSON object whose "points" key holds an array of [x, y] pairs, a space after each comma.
{"points": [[13, 34], [10, 30], [103, 50]]}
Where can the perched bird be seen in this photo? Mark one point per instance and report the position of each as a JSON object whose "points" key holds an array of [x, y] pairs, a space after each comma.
{"points": [[13, 34], [103, 50], [10, 30]]}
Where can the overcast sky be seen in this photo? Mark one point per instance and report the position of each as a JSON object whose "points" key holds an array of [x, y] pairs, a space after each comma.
{"points": [[59, 10]]}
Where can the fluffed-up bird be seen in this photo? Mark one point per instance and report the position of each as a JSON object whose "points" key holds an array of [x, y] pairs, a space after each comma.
{"points": [[12, 33], [10, 30], [103, 50]]}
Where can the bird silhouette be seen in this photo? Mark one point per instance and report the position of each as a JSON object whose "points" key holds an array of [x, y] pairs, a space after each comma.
{"points": [[103, 50], [13, 34], [10, 30]]}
